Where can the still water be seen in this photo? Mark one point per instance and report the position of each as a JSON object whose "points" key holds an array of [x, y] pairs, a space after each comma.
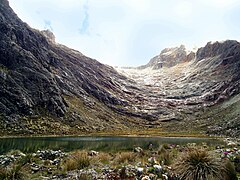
{"points": [[98, 143]]}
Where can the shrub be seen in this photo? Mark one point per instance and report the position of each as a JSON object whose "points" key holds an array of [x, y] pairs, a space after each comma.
{"points": [[198, 164]]}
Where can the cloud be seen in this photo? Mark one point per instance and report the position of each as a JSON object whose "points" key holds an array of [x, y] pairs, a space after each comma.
{"points": [[84, 29], [130, 32], [48, 25]]}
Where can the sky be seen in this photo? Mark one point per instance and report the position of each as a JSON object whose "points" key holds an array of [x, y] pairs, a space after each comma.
{"points": [[131, 32]]}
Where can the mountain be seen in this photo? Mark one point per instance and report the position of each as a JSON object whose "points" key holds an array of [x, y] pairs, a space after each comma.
{"points": [[169, 57], [48, 88], [195, 92]]}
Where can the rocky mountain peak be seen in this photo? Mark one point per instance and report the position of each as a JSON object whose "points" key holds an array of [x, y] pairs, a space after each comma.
{"points": [[170, 57]]}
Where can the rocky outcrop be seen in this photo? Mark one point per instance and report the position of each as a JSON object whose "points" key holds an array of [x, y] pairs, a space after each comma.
{"points": [[170, 57], [225, 49], [49, 35]]}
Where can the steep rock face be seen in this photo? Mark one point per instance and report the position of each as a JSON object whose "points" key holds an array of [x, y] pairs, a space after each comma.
{"points": [[170, 57], [38, 76], [225, 49], [189, 90]]}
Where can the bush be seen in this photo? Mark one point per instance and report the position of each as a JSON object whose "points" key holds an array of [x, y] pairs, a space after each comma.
{"points": [[198, 164]]}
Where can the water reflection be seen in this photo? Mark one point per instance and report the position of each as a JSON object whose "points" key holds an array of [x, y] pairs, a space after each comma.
{"points": [[108, 143]]}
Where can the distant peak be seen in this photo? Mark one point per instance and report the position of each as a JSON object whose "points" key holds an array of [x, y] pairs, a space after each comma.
{"points": [[170, 57]]}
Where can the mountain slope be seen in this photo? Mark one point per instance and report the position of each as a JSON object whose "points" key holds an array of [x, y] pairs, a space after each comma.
{"points": [[181, 95], [41, 79], [48, 88]]}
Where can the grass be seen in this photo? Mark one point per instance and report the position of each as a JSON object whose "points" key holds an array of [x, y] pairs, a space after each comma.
{"points": [[85, 177], [198, 164], [3, 173], [188, 162], [13, 172], [102, 157], [149, 132], [100, 120], [15, 152], [166, 154], [125, 157], [77, 160]]}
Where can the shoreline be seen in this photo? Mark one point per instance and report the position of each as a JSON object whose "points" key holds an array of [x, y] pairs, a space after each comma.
{"points": [[121, 134]]}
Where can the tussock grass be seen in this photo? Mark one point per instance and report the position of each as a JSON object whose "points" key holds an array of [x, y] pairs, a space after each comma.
{"points": [[166, 155], [13, 172], [102, 157], [78, 160], [125, 157], [198, 164]]}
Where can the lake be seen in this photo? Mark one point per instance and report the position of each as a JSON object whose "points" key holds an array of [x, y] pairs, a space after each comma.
{"points": [[98, 143]]}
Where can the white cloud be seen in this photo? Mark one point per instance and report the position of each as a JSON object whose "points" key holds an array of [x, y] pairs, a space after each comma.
{"points": [[130, 32]]}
